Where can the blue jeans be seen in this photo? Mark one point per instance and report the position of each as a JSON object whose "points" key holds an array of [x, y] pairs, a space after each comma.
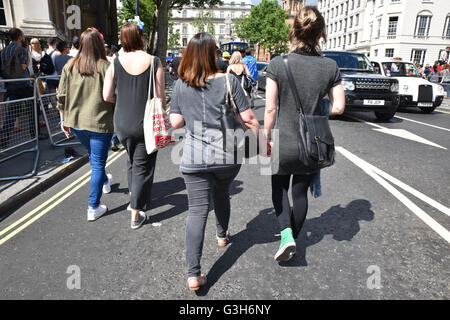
{"points": [[97, 145]]}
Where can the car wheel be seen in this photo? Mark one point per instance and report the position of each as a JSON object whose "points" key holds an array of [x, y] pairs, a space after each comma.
{"points": [[385, 116], [427, 110]]}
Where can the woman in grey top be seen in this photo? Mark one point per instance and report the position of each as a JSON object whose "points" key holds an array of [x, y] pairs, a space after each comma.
{"points": [[198, 102], [315, 77]]}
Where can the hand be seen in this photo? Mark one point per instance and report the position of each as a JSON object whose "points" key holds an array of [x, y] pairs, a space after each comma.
{"points": [[67, 131], [268, 149]]}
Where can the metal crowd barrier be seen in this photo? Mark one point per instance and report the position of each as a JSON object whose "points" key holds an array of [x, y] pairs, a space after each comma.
{"points": [[51, 116], [19, 106]]}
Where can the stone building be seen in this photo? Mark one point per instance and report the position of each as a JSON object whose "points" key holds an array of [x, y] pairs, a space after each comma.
{"points": [[45, 19]]}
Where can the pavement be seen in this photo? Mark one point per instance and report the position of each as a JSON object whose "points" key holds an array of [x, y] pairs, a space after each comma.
{"points": [[380, 230]]}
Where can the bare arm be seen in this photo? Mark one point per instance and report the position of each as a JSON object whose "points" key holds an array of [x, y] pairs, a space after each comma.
{"points": [[176, 120], [109, 88], [337, 100], [270, 113], [250, 121]]}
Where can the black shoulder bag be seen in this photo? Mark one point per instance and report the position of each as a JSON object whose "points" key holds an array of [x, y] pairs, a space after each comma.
{"points": [[315, 140]]}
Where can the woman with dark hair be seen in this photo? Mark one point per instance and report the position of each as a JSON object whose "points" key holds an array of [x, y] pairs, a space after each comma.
{"points": [[84, 112], [314, 77], [130, 75], [198, 102]]}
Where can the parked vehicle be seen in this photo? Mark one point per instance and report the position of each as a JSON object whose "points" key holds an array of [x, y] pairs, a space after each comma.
{"points": [[262, 73], [413, 89], [231, 47], [170, 57], [364, 89]]}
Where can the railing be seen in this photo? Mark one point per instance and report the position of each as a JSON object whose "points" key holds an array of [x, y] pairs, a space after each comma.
{"points": [[18, 105], [50, 114]]}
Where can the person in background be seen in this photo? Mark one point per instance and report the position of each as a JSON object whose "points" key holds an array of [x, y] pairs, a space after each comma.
{"points": [[445, 56], [129, 77], [426, 71], [61, 60], [109, 53], [51, 46], [238, 69], [250, 61], [208, 169], [226, 56], [323, 79], [75, 46], [221, 63], [435, 75], [446, 79], [173, 70], [36, 55], [84, 112]]}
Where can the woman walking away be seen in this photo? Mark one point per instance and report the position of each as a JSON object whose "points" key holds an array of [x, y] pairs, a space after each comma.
{"points": [[84, 112], [322, 78], [130, 75], [239, 69], [198, 101]]}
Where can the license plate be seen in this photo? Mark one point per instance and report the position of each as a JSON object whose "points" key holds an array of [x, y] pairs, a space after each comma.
{"points": [[425, 104], [374, 102]]}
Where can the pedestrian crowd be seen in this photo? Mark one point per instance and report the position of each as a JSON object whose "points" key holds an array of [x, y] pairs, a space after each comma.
{"points": [[439, 72], [102, 92]]}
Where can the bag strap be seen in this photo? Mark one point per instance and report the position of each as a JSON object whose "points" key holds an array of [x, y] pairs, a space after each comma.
{"points": [[229, 97], [151, 80], [291, 81]]}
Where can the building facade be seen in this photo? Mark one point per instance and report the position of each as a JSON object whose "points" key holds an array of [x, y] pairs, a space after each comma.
{"points": [[61, 19], [222, 18], [413, 30]]}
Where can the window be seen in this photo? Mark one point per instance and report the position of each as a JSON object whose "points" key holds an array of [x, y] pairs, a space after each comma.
{"points": [[359, 4], [184, 42], [340, 25], [232, 14], [184, 30], [184, 14], [375, 52], [418, 55], [353, 4], [379, 28], [392, 27], [342, 8], [2, 14], [355, 40], [339, 41], [357, 20], [350, 39], [351, 22], [423, 23], [446, 32], [389, 53], [222, 15]]}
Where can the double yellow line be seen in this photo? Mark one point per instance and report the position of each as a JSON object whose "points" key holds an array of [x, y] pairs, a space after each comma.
{"points": [[48, 205]]}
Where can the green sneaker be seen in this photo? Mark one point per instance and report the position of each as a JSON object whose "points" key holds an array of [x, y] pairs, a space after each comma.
{"points": [[287, 246]]}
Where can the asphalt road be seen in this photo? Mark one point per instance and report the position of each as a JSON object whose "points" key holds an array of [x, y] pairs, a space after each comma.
{"points": [[380, 230]]}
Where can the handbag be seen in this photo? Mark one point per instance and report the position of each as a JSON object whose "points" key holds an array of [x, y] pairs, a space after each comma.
{"points": [[315, 140], [231, 122], [156, 119]]}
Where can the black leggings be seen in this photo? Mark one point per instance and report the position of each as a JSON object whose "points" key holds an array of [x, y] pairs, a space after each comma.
{"points": [[288, 218]]}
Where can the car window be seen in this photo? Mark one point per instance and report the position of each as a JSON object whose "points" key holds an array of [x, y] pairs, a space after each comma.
{"points": [[376, 67], [347, 61], [400, 69]]}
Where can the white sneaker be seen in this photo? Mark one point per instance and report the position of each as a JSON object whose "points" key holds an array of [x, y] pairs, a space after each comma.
{"points": [[137, 224], [94, 214], [107, 185]]}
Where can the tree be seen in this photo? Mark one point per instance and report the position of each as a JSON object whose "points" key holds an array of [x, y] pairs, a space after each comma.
{"points": [[146, 14], [204, 22], [266, 26], [173, 42]]}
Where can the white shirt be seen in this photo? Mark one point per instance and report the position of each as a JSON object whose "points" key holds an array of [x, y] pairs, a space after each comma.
{"points": [[73, 52]]}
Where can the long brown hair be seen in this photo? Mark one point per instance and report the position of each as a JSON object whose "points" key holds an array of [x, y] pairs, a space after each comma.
{"points": [[92, 49], [199, 60], [131, 37], [308, 28]]}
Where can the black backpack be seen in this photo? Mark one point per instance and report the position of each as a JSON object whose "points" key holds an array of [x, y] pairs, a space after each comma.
{"points": [[46, 62]]}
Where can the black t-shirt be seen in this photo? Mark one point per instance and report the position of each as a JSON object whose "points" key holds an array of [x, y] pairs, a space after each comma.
{"points": [[175, 64], [222, 64]]}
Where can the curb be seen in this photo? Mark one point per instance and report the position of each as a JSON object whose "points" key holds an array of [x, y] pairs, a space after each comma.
{"points": [[60, 174]]}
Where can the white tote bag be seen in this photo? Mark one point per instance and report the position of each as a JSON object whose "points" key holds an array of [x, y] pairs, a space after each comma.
{"points": [[156, 120]]}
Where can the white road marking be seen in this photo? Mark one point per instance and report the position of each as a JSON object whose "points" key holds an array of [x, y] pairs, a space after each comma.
{"points": [[425, 124], [401, 133], [369, 169]]}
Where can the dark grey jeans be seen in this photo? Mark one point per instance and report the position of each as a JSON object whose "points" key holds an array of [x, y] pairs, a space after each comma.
{"points": [[201, 189]]}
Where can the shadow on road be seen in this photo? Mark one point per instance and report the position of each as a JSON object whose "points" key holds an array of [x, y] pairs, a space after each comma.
{"points": [[341, 223]]}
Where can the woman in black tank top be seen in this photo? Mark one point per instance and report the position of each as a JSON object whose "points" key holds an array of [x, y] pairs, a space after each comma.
{"points": [[132, 94]]}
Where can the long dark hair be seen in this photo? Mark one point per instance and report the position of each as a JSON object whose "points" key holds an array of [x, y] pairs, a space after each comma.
{"points": [[199, 60], [92, 49]]}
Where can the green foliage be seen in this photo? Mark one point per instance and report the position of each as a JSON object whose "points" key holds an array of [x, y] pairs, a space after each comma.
{"points": [[147, 13], [266, 26]]}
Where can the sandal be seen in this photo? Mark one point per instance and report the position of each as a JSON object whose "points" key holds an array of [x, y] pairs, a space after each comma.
{"points": [[222, 242], [194, 283]]}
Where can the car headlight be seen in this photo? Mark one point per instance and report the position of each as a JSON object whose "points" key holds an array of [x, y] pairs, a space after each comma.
{"points": [[348, 85], [394, 87], [405, 87], [440, 89]]}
